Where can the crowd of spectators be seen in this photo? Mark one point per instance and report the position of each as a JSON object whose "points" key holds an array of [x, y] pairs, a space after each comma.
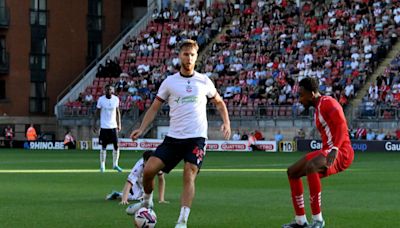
{"points": [[271, 45], [151, 56], [109, 69], [382, 98], [362, 133], [268, 48]]}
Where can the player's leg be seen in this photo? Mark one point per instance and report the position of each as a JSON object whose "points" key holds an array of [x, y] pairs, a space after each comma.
{"points": [[189, 176], [295, 172], [317, 169], [103, 150], [103, 155], [316, 166], [193, 157], [114, 195], [152, 167], [114, 137]]}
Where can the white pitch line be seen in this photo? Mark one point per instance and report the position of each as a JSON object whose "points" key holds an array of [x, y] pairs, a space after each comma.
{"points": [[113, 171]]}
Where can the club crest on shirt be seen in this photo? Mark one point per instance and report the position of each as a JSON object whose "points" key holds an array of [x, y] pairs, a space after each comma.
{"points": [[189, 89]]}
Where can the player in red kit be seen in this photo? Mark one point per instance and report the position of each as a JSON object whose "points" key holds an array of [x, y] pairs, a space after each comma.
{"points": [[335, 156]]}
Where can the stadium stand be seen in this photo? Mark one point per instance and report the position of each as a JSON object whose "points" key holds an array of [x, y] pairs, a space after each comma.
{"points": [[146, 59], [268, 47], [382, 99]]}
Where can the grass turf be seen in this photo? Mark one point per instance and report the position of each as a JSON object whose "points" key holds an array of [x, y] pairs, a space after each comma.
{"points": [[366, 195]]}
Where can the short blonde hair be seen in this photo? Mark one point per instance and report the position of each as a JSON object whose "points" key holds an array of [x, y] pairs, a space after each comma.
{"points": [[189, 44]]}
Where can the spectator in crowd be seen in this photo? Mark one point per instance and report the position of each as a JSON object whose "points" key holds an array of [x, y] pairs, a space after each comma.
{"points": [[389, 136], [236, 136], [88, 99], [9, 135], [368, 108], [301, 134], [259, 135], [370, 134], [31, 133], [381, 135], [352, 133], [69, 141], [110, 69], [278, 136], [361, 132], [245, 136], [398, 134], [122, 85], [252, 141]]}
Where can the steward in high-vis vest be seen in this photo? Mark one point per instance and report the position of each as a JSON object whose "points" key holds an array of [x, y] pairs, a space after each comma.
{"points": [[31, 133]]}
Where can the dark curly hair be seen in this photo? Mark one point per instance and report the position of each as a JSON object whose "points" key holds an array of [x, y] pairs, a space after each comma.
{"points": [[309, 84]]}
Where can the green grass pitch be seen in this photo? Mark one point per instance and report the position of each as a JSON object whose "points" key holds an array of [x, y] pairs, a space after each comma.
{"points": [[233, 190]]}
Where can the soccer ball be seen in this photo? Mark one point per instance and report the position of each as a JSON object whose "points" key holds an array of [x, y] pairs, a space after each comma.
{"points": [[145, 218]]}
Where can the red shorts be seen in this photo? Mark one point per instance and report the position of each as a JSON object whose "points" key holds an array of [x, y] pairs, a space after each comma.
{"points": [[343, 160]]}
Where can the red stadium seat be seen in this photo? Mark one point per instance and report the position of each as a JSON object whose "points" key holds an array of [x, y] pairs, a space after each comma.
{"points": [[243, 111], [250, 111], [236, 111], [289, 111], [282, 111], [270, 111]]}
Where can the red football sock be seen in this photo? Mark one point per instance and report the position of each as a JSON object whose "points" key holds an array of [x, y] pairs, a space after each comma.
{"points": [[296, 186], [314, 183]]}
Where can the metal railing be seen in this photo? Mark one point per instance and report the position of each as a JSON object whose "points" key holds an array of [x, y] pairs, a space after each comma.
{"points": [[381, 112], [259, 112], [275, 116]]}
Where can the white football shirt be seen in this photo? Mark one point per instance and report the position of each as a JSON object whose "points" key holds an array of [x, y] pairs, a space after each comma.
{"points": [[187, 99], [136, 175], [108, 114]]}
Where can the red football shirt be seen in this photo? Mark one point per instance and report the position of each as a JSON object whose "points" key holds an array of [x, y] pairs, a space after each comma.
{"points": [[331, 123]]}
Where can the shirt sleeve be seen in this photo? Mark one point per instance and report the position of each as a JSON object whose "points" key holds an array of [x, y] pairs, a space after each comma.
{"points": [[211, 90], [117, 101], [333, 113], [99, 103], [163, 92], [136, 172]]}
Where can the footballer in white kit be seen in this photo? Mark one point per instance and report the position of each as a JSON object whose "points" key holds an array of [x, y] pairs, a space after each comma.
{"points": [[110, 124], [187, 93], [133, 189]]}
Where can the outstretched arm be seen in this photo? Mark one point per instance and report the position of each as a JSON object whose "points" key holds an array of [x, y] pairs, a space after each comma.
{"points": [[95, 118], [118, 120], [125, 193], [223, 111]]}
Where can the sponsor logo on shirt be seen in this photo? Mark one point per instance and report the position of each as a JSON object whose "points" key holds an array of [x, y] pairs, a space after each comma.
{"points": [[187, 99]]}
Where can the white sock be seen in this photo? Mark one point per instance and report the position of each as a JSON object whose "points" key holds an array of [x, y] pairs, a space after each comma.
{"points": [[301, 219], [115, 157], [103, 154], [183, 217], [147, 199], [318, 217]]}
